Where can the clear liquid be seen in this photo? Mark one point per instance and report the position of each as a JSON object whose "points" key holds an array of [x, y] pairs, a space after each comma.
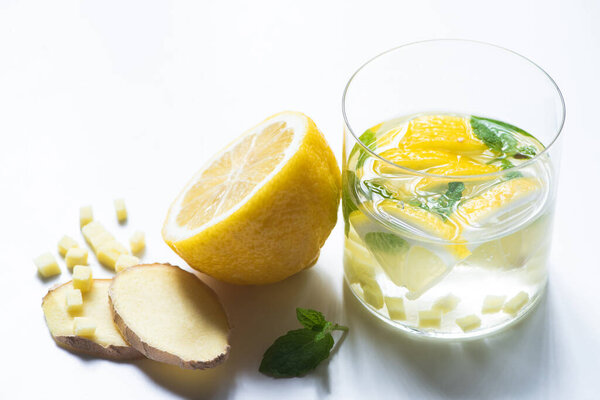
{"points": [[498, 250]]}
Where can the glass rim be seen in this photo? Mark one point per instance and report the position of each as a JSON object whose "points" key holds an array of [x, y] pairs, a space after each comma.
{"points": [[455, 177]]}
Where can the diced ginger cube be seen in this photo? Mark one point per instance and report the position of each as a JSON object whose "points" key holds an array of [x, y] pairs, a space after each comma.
{"points": [[65, 243], [84, 326], [100, 240], [492, 304], [513, 305], [46, 265], [85, 216], [74, 301], [469, 322], [121, 210], [92, 230], [120, 247], [82, 278], [137, 242], [395, 307], [430, 318], [76, 256], [372, 293], [446, 304], [126, 261], [108, 253]]}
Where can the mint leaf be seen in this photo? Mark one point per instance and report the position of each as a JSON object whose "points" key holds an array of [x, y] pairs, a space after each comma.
{"points": [[508, 127], [494, 135], [444, 204], [526, 152], [384, 241], [368, 139], [486, 135], [379, 189], [296, 353], [311, 319], [348, 205], [301, 350], [505, 164]]}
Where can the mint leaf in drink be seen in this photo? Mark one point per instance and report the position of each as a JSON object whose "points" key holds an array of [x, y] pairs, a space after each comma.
{"points": [[484, 133], [368, 139], [301, 350], [348, 201], [505, 164], [444, 204], [526, 152], [379, 189], [311, 319], [390, 251]]}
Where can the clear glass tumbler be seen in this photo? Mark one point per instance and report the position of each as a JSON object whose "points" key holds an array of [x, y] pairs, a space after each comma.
{"points": [[445, 253]]}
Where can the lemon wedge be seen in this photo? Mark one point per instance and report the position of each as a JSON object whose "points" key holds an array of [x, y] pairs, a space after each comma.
{"points": [[406, 263], [445, 132], [260, 209], [498, 201]]}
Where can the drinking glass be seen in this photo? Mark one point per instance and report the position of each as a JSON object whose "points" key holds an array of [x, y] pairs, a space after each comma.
{"points": [[419, 281]]}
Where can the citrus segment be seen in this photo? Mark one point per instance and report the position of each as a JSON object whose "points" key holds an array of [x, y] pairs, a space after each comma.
{"points": [[499, 200], [444, 132]]}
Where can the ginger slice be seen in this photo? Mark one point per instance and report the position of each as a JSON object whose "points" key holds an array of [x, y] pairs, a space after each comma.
{"points": [[106, 342], [170, 315]]}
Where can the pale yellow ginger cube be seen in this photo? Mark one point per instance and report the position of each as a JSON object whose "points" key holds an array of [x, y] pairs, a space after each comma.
{"points": [[395, 307], [446, 304], [46, 265], [82, 278], [85, 216], [65, 243], [100, 240], [91, 231], [120, 247], [109, 253], [74, 301], [492, 304], [84, 326], [76, 256], [469, 322], [513, 305], [430, 318], [121, 210], [137, 242], [372, 293], [126, 261]]}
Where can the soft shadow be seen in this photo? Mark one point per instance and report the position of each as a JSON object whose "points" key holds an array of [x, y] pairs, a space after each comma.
{"points": [[257, 315], [506, 365], [190, 384]]}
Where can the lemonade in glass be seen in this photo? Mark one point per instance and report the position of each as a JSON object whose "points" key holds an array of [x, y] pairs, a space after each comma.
{"points": [[448, 189]]}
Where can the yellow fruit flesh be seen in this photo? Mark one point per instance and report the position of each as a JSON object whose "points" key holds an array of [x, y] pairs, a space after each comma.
{"points": [[442, 132], [232, 177]]}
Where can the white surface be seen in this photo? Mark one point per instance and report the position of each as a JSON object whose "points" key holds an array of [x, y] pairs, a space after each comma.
{"points": [[106, 99]]}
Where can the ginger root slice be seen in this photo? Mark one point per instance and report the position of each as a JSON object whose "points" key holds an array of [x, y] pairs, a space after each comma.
{"points": [[170, 315], [107, 342]]}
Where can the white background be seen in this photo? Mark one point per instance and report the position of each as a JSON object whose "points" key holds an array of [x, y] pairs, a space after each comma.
{"points": [[105, 99]]}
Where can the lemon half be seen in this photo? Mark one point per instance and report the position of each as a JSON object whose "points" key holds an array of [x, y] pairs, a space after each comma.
{"points": [[259, 210]]}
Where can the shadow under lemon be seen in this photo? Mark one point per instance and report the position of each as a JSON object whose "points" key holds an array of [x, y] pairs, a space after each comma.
{"points": [[503, 365], [257, 316]]}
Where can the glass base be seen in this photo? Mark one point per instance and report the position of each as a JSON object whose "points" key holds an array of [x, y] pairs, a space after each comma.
{"points": [[431, 334]]}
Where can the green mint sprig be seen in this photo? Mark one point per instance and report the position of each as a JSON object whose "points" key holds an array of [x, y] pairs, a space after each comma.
{"points": [[444, 204], [499, 137], [301, 350]]}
